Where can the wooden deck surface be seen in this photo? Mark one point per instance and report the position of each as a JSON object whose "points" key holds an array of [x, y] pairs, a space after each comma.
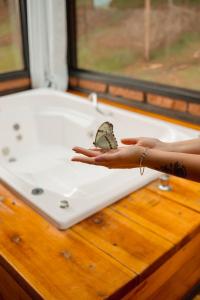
{"points": [[145, 246]]}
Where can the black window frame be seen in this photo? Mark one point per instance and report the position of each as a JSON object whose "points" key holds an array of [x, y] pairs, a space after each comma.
{"points": [[25, 47], [188, 95]]}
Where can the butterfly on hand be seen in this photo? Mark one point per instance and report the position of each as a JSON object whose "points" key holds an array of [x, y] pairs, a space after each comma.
{"points": [[105, 138]]}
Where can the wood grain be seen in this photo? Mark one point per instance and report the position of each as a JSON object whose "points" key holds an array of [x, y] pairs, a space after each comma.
{"points": [[184, 192], [146, 244], [14, 84], [174, 278], [158, 213], [51, 260], [9, 289], [129, 243]]}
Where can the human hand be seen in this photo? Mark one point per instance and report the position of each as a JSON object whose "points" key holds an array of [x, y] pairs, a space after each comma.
{"points": [[121, 158], [146, 142]]}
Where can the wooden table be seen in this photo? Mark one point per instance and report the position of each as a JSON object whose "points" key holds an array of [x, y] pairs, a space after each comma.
{"points": [[146, 246]]}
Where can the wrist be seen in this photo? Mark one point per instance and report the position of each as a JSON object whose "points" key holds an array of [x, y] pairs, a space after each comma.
{"points": [[164, 146], [142, 158], [140, 150], [169, 147]]}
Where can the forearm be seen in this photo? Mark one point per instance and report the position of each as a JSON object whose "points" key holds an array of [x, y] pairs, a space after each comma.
{"points": [[178, 164], [189, 146]]}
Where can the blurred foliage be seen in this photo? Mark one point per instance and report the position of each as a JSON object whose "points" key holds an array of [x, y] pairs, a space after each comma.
{"points": [[10, 49], [140, 3]]}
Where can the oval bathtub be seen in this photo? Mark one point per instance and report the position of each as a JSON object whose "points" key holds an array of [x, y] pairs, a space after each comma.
{"points": [[39, 129]]}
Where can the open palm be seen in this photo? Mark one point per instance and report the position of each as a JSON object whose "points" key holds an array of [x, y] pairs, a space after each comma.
{"points": [[120, 158]]}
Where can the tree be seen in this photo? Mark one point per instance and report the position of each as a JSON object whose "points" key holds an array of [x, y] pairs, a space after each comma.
{"points": [[147, 25]]}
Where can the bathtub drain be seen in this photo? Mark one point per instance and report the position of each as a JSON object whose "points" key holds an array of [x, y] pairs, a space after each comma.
{"points": [[12, 159], [64, 204], [16, 126], [37, 191]]}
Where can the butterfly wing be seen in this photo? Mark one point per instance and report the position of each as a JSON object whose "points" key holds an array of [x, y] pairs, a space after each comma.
{"points": [[102, 142], [105, 128], [106, 141], [105, 138], [112, 140]]}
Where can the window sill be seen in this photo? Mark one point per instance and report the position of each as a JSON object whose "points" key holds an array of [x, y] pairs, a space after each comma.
{"points": [[14, 85]]}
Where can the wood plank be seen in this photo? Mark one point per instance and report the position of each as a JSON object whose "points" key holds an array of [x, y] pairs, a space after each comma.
{"points": [[124, 231], [155, 212], [184, 192], [14, 84], [58, 265], [131, 244], [174, 278], [9, 289]]}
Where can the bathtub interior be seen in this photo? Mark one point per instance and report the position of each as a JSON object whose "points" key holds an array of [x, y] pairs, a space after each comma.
{"points": [[38, 131]]}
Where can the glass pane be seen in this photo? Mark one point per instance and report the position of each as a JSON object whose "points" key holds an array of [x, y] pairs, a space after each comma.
{"points": [[11, 55], [153, 40]]}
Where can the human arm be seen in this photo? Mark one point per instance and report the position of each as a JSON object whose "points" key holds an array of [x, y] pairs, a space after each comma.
{"points": [[183, 165], [188, 146], [179, 164]]}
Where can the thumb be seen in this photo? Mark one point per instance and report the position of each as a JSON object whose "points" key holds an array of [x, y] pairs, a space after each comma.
{"points": [[130, 141]]}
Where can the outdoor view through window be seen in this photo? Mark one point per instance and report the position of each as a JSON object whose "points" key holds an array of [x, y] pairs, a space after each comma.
{"points": [[153, 40], [11, 58]]}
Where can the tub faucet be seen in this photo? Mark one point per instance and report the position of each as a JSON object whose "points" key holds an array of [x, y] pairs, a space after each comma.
{"points": [[93, 98], [164, 184]]}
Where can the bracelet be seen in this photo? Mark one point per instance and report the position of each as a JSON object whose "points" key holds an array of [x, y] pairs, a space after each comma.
{"points": [[142, 159]]}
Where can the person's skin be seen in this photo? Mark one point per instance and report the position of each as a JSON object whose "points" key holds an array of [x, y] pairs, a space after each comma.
{"points": [[181, 159], [188, 146]]}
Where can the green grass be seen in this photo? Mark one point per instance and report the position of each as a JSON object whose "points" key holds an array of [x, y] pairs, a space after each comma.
{"points": [[190, 77], [124, 61], [10, 54], [4, 28], [179, 68], [187, 78], [124, 4], [184, 43], [105, 61], [121, 4], [83, 2], [10, 59]]}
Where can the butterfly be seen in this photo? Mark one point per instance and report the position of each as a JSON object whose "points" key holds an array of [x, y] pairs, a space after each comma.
{"points": [[105, 138]]}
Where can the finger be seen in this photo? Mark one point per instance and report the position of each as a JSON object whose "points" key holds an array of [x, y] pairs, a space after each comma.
{"points": [[83, 159], [87, 152], [95, 149], [129, 141]]}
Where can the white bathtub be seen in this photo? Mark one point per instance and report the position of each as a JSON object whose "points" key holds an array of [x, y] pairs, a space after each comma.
{"points": [[38, 129]]}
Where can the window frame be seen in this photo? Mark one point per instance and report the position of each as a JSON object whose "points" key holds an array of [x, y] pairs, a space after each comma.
{"points": [[25, 47], [170, 91]]}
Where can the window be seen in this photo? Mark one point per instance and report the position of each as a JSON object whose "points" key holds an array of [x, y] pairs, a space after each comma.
{"points": [[152, 40], [13, 37]]}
